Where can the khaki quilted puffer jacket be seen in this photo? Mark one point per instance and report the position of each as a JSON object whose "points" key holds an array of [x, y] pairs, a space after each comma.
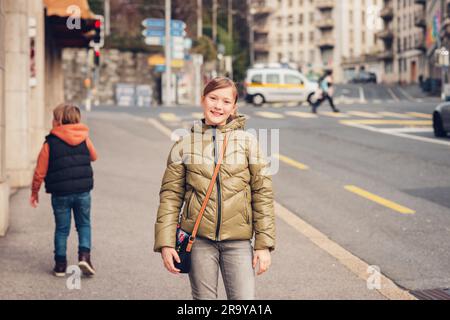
{"points": [[241, 203]]}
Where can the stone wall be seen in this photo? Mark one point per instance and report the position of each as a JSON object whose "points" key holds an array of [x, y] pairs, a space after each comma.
{"points": [[116, 67]]}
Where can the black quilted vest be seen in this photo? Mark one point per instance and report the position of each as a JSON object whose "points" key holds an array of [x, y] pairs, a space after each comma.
{"points": [[69, 168]]}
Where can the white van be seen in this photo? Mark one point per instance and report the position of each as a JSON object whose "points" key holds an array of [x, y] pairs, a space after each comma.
{"points": [[277, 85]]}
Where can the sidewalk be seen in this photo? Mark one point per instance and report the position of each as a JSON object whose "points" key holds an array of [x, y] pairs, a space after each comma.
{"points": [[132, 157]]}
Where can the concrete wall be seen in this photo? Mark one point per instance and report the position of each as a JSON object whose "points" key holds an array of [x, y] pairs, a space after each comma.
{"points": [[23, 119]]}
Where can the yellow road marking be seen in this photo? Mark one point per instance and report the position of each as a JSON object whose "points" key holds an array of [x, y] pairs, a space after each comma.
{"points": [[394, 122], [420, 115], [291, 162], [394, 115], [168, 116], [270, 115], [384, 202], [364, 114], [299, 114], [333, 114], [198, 115]]}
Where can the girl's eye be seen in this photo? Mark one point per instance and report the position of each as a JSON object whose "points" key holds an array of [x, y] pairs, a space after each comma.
{"points": [[212, 98]]}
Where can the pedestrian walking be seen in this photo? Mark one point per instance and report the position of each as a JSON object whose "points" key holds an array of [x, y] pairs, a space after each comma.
{"points": [[239, 208], [64, 163], [327, 89]]}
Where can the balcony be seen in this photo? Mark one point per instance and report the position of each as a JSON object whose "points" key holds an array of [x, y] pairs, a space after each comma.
{"points": [[327, 23], [324, 4], [419, 19], [261, 46], [261, 10], [387, 13], [326, 43], [261, 29], [385, 35], [388, 54]]}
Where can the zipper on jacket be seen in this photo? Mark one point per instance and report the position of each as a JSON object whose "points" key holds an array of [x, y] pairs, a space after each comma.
{"points": [[219, 197]]}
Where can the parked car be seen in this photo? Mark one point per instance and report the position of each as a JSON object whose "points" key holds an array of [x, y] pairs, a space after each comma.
{"points": [[277, 84], [441, 120], [364, 77]]}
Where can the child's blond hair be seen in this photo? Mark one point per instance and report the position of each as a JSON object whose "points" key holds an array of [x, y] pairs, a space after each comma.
{"points": [[67, 114]]}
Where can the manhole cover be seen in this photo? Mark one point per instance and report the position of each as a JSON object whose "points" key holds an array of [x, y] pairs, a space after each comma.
{"points": [[432, 294]]}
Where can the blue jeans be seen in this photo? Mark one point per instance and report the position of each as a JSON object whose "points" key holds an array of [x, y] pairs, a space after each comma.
{"points": [[62, 206]]}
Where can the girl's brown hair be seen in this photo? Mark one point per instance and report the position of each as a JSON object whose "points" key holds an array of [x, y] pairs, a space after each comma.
{"points": [[221, 83], [67, 114]]}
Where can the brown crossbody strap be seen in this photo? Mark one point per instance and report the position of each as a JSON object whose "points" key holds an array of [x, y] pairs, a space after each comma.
{"points": [[208, 194]]}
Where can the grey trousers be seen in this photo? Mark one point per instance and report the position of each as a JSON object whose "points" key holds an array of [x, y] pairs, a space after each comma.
{"points": [[234, 258]]}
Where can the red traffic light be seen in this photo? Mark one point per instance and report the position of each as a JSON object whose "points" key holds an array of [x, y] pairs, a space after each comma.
{"points": [[97, 53], [98, 24]]}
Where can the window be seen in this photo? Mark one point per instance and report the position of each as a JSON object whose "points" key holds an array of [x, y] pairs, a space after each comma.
{"points": [[273, 78], [291, 79], [257, 78], [300, 18], [300, 37]]}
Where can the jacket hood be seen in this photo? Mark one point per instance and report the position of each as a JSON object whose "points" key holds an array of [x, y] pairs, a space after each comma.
{"points": [[237, 123], [73, 134]]}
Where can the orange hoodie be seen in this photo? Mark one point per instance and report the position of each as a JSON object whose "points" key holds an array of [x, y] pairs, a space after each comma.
{"points": [[73, 134]]}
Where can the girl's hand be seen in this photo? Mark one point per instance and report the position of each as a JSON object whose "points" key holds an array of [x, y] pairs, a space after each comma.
{"points": [[34, 200], [168, 255], [264, 260]]}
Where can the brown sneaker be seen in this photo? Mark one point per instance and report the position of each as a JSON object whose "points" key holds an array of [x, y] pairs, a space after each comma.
{"points": [[85, 264], [60, 269]]}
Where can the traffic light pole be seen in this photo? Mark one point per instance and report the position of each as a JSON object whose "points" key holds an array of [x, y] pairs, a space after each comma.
{"points": [[168, 53]]}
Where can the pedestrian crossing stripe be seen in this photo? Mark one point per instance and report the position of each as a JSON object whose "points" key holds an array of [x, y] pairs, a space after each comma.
{"points": [[299, 114], [169, 117], [197, 115], [334, 114], [269, 115], [365, 114], [394, 115], [391, 122], [420, 115]]}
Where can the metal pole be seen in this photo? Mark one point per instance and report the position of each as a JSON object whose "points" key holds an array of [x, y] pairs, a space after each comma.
{"points": [[107, 17], [251, 33], [214, 22], [230, 19], [168, 53], [199, 19]]}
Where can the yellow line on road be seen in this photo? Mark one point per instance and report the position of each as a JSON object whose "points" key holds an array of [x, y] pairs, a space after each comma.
{"points": [[198, 115], [334, 114], [384, 202], [299, 114], [394, 122], [420, 115], [395, 115], [364, 114], [168, 116], [291, 162], [270, 115]]}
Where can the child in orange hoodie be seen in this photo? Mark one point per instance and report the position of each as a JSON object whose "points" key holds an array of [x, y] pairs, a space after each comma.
{"points": [[65, 164]]}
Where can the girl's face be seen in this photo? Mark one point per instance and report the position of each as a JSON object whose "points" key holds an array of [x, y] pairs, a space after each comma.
{"points": [[218, 105]]}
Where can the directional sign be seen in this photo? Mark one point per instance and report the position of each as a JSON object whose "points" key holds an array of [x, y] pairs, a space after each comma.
{"points": [[162, 33], [161, 41], [152, 23]]}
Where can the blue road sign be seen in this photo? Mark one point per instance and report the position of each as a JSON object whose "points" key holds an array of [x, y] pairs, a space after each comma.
{"points": [[152, 23], [162, 33]]}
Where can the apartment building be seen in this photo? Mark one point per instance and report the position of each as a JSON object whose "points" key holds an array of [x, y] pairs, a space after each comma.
{"points": [[316, 35]]}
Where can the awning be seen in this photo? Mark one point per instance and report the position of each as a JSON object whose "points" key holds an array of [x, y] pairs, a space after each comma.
{"points": [[60, 8], [57, 13]]}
